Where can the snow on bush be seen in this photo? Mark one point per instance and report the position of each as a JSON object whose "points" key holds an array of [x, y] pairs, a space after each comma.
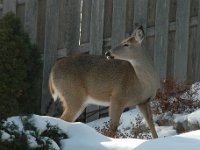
{"points": [[23, 133]]}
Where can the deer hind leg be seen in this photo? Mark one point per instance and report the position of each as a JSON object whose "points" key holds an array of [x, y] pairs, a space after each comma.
{"points": [[146, 111], [115, 111], [72, 108]]}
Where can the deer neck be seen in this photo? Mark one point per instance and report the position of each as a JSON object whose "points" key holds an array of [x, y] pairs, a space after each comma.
{"points": [[145, 71]]}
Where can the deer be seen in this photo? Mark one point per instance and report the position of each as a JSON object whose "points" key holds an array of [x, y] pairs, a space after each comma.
{"points": [[125, 77]]}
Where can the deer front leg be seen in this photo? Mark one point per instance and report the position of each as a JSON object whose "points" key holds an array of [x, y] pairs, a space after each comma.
{"points": [[146, 111], [115, 111]]}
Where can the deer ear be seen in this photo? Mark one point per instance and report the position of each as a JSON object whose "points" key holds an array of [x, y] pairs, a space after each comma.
{"points": [[139, 34]]}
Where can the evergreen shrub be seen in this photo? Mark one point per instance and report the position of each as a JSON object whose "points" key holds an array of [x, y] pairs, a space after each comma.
{"points": [[20, 69]]}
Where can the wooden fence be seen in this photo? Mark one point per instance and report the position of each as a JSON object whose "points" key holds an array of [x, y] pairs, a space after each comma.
{"points": [[65, 27]]}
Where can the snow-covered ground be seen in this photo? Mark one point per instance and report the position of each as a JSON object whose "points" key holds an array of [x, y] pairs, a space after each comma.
{"points": [[84, 137], [129, 120]]}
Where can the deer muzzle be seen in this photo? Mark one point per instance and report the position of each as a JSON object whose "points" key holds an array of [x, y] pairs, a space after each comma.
{"points": [[108, 55]]}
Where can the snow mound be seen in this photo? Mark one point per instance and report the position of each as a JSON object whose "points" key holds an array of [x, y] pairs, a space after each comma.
{"points": [[82, 137]]}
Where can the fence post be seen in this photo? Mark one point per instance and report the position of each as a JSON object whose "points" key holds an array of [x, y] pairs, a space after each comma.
{"points": [[182, 37], [50, 48]]}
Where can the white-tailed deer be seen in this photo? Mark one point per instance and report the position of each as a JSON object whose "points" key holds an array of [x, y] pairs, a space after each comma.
{"points": [[87, 79]]}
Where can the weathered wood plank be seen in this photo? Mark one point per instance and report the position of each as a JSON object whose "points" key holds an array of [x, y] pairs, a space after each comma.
{"points": [[96, 27], [151, 15], [21, 1], [182, 36], [140, 13], [197, 51], [1, 7], [150, 41], [161, 37], [108, 10], [170, 55], [9, 5], [129, 16], [191, 67], [172, 26], [85, 21], [172, 12], [62, 26], [50, 48], [0, 13], [20, 12], [41, 24], [194, 8], [118, 22], [72, 28], [30, 22]]}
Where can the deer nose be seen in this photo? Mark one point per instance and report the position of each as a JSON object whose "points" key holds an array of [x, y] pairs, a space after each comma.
{"points": [[108, 55]]}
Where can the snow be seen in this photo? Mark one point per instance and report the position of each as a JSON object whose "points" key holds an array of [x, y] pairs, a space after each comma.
{"points": [[165, 131], [82, 136], [126, 124], [193, 93], [4, 135], [193, 118], [126, 120]]}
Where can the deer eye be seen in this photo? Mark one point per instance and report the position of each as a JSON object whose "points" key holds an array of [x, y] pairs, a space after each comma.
{"points": [[126, 45]]}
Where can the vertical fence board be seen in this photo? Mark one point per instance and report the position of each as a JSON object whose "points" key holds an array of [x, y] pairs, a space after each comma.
{"points": [[140, 12], [62, 25], [20, 12], [72, 28], [129, 16], [150, 46], [85, 21], [151, 13], [9, 5], [108, 10], [182, 35], [41, 24], [50, 48], [170, 54], [191, 54], [30, 23], [1, 9], [161, 37], [119, 22], [96, 27], [172, 12], [197, 50], [194, 8]]}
